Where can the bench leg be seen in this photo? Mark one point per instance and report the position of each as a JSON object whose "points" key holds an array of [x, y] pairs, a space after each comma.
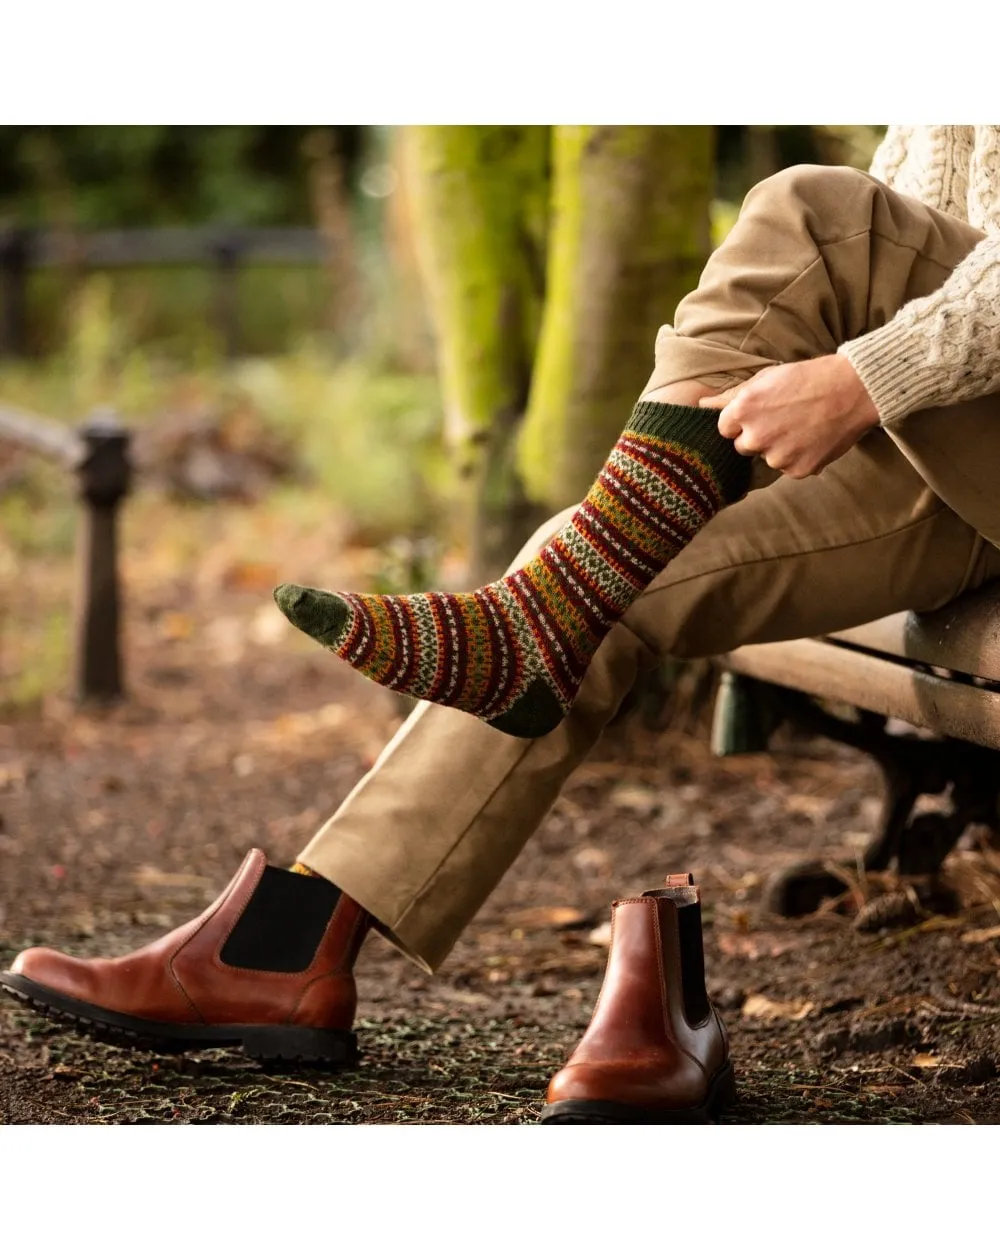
{"points": [[912, 844]]}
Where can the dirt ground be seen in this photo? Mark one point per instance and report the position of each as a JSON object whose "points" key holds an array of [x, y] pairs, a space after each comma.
{"points": [[119, 825]]}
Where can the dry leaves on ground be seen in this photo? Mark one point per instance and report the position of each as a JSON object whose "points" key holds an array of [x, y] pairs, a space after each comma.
{"points": [[760, 1007]]}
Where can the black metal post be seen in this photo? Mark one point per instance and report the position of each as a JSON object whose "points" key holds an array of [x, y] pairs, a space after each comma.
{"points": [[104, 475], [14, 256], [228, 252]]}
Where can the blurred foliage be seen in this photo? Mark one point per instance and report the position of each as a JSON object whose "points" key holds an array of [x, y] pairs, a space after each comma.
{"points": [[104, 176], [83, 177], [370, 443], [169, 308], [369, 429], [745, 154]]}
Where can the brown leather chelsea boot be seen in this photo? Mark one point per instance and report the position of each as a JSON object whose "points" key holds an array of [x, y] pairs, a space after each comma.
{"points": [[267, 966], [655, 1051]]}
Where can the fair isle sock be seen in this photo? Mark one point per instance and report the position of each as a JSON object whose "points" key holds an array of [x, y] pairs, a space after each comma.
{"points": [[515, 652]]}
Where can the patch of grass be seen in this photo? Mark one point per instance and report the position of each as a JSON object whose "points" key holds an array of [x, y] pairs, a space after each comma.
{"points": [[172, 307], [34, 661], [373, 441], [369, 443], [39, 518]]}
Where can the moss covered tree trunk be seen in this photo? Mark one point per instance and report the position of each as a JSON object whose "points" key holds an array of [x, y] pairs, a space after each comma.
{"points": [[546, 293], [628, 237], [479, 197]]}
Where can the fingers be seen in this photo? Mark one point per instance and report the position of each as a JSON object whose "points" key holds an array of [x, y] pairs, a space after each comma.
{"points": [[724, 397], [718, 401], [742, 441], [730, 424]]}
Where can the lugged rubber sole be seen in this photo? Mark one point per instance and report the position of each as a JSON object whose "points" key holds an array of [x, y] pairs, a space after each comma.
{"points": [[721, 1094], [265, 1042]]}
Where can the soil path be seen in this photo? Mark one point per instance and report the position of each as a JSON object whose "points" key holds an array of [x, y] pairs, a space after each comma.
{"points": [[116, 827]]}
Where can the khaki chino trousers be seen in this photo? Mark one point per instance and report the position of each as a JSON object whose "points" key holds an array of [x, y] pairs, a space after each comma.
{"points": [[818, 256]]}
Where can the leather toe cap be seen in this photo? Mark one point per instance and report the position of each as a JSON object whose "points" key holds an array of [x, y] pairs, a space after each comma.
{"points": [[53, 970]]}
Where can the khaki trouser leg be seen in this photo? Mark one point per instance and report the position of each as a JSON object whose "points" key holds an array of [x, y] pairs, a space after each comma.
{"points": [[425, 837]]}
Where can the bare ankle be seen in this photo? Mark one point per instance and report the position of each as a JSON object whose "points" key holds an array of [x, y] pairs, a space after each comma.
{"points": [[687, 393]]}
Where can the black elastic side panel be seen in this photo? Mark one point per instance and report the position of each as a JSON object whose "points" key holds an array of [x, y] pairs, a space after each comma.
{"points": [[283, 923], [692, 963]]}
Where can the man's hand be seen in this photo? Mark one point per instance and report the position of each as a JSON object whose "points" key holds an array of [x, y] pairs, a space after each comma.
{"points": [[798, 417]]}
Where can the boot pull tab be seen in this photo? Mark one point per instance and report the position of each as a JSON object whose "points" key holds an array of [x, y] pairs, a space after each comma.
{"points": [[680, 888]]}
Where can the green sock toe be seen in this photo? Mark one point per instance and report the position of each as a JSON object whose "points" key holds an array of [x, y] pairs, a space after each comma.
{"points": [[318, 613]]}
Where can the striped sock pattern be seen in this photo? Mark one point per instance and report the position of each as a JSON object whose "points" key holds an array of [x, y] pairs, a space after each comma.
{"points": [[515, 652]]}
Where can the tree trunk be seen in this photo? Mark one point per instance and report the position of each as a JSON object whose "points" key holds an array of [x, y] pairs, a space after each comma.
{"points": [[479, 203], [628, 238]]}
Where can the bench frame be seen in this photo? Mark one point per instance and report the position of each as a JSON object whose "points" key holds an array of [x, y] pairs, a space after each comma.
{"points": [[769, 684]]}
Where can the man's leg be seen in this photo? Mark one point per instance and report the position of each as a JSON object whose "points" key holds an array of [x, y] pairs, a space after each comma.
{"points": [[818, 256], [426, 836]]}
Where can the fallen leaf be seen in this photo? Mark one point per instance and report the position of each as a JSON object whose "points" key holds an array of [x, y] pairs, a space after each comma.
{"points": [[760, 1007], [601, 936], [249, 575], [267, 627], [810, 805], [12, 776], [639, 799], [176, 626], [150, 875], [975, 936], [549, 918], [739, 944], [301, 724], [752, 946], [592, 859]]}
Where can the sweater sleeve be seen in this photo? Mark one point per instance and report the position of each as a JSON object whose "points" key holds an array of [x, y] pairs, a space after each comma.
{"points": [[890, 154], [944, 347]]}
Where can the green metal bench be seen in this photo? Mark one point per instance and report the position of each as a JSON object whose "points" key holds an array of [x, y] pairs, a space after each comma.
{"points": [[938, 672]]}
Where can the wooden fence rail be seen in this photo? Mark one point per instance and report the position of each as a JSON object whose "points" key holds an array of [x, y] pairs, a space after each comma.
{"points": [[222, 250], [98, 453]]}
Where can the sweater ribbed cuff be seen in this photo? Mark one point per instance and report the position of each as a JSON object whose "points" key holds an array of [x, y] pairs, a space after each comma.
{"points": [[696, 429], [892, 364]]}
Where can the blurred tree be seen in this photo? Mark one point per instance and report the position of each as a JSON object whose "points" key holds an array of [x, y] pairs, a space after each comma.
{"points": [[551, 255], [746, 154], [628, 239], [478, 198]]}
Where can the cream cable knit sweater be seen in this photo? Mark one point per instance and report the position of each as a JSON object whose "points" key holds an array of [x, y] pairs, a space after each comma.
{"points": [[945, 347]]}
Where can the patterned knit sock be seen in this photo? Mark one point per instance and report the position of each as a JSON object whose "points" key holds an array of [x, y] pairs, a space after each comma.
{"points": [[515, 652]]}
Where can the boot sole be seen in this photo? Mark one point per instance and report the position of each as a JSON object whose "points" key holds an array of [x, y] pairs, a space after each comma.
{"points": [[721, 1094], [266, 1042]]}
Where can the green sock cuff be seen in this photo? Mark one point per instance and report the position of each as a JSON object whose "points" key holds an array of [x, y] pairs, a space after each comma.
{"points": [[696, 428]]}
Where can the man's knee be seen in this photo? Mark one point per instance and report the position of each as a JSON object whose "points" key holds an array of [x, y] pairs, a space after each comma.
{"points": [[815, 187], [824, 190]]}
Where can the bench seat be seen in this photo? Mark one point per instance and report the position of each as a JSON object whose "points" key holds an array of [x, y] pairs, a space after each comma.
{"points": [[939, 671]]}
